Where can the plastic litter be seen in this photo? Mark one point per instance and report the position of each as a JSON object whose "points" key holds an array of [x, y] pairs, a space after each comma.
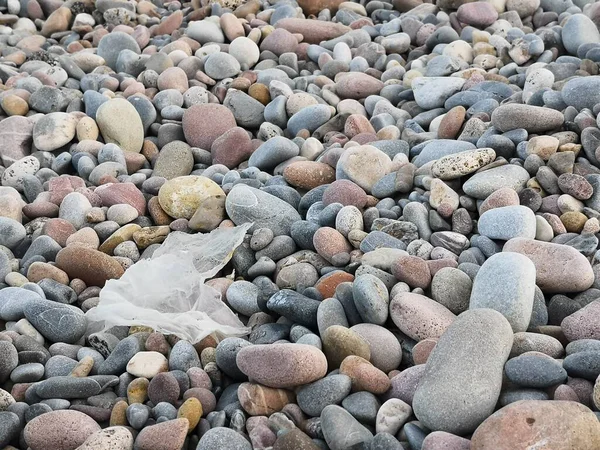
{"points": [[167, 291]]}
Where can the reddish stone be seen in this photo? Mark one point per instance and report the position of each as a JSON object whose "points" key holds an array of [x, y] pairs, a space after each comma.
{"points": [[118, 193], [345, 192], [59, 230], [231, 148], [328, 283]]}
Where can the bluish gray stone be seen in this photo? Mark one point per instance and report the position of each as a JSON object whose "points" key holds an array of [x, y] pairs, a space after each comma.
{"points": [[242, 296], [225, 438], [463, 375], [111, 45], [577, 30], [295, 307], [67, 387], [535, 370], [507, 222], [309, 118], [55, 321], [341, 430], [482, 184], [226, 353], [273, 152], [11, 232], [13, 301], [506, 283], [246, 204], [371, 298], [314, 397], [440, 147], [117, 361], [248, 112], [137, 415], [363, 406], [183, 356], [10, 427]]}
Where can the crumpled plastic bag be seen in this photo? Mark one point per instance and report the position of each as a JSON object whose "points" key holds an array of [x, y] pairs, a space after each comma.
{"points": [[167, 291]]}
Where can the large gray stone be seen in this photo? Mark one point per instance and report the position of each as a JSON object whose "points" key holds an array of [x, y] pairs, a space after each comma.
{"points": [[582, 92], [246, 204], [55, 321], [507, 222], [579, 29], [506, 283], [482, 184], [463, 375], [341, 430]]}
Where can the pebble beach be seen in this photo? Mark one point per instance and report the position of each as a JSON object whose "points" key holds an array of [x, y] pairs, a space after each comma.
{"points": [[417, 184]]}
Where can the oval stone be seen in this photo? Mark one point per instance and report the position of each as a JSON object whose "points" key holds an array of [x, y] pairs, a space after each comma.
{"points": [[282, 365], [463, 375], [90, 265], [559, 268], [506, 283]]}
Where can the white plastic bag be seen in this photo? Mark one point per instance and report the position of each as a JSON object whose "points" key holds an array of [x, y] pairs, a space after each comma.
{"points": [[167, 292]]}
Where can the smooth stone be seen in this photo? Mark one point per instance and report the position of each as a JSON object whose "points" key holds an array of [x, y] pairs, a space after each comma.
{"points": [[245, 204], [111, 438], [204, 123], [174, 160], [577, 30], [54, 130], [180, 197], [420, 317], [223, 438], [341, 430], [534, 119], [55, 321], [507, 222], [163, 436], [483, 184], [432, 92], [313, 398], [506, 283], [559, 268], [282, 365], [463, 375], [524, 422], [535, 370], [120, 124]]}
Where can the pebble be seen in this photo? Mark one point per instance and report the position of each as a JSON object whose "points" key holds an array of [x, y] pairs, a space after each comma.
{"points": [[282, 365]]}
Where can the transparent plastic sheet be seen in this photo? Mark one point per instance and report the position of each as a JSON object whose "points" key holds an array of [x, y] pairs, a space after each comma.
{"points": [[167, 292]]}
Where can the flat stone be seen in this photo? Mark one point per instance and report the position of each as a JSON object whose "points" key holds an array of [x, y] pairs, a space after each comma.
{"points": [[534, 119], [483, 184], [507, 222]]}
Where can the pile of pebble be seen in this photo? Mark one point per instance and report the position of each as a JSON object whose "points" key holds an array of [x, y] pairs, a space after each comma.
{"points": [[423, 180]]}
